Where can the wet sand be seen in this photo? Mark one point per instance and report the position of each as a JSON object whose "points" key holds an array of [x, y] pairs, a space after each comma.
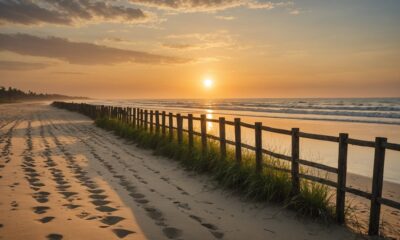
{"points": [[63, 178]]}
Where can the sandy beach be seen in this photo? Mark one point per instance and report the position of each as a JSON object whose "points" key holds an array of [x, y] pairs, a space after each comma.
{"points": [[61, 177]]}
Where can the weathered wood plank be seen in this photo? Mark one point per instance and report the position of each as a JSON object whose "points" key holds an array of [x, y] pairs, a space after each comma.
{"points": [[163, 123], [341, 179], [377, 184], [238, 141], [171, 126], [258, 143], [295, 162], [190, 131], [222, 137], [203, 127], [319, 137], [179, 128]]}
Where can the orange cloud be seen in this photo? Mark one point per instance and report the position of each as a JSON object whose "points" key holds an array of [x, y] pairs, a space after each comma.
{"points": [[78, 52], [67, 12]]}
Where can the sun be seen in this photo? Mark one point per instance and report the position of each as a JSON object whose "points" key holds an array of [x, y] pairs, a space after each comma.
{"points": [[208, 83]]}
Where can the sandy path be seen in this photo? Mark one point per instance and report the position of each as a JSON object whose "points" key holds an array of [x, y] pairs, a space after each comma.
{"points": [[63, 178]]}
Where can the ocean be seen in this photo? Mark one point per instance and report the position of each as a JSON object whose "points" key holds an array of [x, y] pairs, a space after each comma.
{"points": [[361, 118]]}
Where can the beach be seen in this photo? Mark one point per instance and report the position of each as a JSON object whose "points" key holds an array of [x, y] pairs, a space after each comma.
{"points": [[61, 177]]}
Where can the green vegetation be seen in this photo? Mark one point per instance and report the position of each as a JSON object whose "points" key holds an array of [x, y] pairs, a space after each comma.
{"points": [[271, 185], [9, 95]]}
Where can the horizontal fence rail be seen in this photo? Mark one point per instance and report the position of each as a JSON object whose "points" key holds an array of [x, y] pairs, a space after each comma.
{"points": [[159, 121]]}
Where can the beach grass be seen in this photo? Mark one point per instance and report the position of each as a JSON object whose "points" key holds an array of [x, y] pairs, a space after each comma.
{"points": [[269, 185]]}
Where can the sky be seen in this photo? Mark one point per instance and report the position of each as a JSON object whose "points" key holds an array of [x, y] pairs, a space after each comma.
{"points": [[167, 48]]}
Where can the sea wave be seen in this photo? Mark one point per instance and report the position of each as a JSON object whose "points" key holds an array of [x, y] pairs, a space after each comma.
{"points": [[384, 110]]}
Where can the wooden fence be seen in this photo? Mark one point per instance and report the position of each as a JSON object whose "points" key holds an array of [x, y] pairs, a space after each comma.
{"points": [[150, 120]]}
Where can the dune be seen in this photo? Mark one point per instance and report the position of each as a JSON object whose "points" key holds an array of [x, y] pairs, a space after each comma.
{"points": [[61, 177]]}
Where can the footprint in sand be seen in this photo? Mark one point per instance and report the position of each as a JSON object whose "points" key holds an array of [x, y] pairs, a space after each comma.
{"points": [[121, 233], [14, 205], [83, 214], [54, 236], [98, 196], [141, 201], [71, 206], [171, 232], [46, 219], [68, 194], [213, 229], [100, 202], [95, 191], [154, 213], [106, 209], [182, 205], [41, 197], [136, 195], [111, 220], [40, 209]]}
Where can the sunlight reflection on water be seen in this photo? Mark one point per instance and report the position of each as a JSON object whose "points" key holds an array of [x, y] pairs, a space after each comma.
{"points": [[209, 115]]}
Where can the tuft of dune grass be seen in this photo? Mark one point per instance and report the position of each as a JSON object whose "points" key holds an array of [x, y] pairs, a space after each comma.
{"points": [[271, 185]]}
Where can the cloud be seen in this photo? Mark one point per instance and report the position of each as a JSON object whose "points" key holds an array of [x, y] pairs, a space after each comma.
{"points": [[69, 73], [180, 46], [21, 66], [197, 41], [267, 5], [67, 12], [190, 5], [208, 5], [227, 18], [78, 52]]}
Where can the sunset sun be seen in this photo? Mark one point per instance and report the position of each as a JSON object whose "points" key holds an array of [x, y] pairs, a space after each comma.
{"points": [[208, 83]]}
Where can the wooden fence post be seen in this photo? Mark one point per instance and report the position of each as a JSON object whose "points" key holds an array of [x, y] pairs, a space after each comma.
{"points": [[131, 116], [190, 131], [138, 117], [258, 141], [163, 127], [179, 127], [124, 115], [238, 141], [203, 126], [377, 184], [157, 122], [146, 119], [295, 162], [222, 137], [171, 126], [128, 115], [141, 118], [151, 121], [134, 117], [341, 178]]}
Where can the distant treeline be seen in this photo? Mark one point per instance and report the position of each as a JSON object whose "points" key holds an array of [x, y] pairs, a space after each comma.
{"points": [[13, 95]]}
